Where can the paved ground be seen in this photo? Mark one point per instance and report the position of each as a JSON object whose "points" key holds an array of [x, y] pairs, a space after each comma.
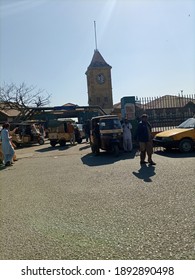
{"points": [[68, 204]]}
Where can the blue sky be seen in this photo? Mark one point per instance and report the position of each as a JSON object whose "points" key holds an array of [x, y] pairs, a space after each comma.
{"points": [[150, 45]]}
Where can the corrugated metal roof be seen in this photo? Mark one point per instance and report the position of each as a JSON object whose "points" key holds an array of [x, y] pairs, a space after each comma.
{"points": [[10, 112], [69, 104], [169, 101], [166, 101], [7, 110]]}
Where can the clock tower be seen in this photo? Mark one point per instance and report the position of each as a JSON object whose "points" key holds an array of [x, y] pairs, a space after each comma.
{"points": [[99, 83]]}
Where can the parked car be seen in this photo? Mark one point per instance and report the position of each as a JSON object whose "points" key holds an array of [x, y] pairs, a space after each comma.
{"points": [[182, 137]]}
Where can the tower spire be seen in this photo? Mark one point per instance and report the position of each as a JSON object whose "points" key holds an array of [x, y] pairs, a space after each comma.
{"points": [[95, 35]]}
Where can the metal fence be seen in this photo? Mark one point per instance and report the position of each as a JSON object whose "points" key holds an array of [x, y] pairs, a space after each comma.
{"points": [[167, 111]]}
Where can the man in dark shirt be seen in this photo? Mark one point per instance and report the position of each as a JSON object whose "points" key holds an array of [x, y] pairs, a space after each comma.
{"points": [[145, 140], [87, 130], [96, 136]]}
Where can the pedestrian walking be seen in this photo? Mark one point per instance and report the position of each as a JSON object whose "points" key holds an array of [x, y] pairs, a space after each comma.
{"points": [[14, 157], [127, 136], [144, 137], [70, 129], [7, 148], [87, 130], [42, 130]]}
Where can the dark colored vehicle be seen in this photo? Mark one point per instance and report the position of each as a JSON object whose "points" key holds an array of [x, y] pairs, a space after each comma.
{"points": [[106, 134]]}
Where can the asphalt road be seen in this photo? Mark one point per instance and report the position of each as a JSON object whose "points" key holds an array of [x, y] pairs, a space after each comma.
{"points": [[64, 203]]}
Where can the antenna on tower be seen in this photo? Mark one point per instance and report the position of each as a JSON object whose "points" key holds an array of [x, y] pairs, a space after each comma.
{"points": [[95, 35]]}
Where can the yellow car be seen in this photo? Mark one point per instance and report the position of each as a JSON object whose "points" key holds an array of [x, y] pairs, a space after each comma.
{"points": [[181, 137]]}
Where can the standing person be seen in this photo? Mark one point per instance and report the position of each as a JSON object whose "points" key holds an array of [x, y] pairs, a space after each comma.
{"points": [[34, 131], [7, 148], [127, 136], [96, 137], [145, 140], [42, 130], [77, 134], [14, 157], [70, 129]]}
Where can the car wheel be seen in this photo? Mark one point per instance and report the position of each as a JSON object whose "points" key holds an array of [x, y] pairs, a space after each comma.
{"points": [[53, 143], [115, 150], [186, 146], [62, 143], [41, 141], [79, 140], [95, 150]]}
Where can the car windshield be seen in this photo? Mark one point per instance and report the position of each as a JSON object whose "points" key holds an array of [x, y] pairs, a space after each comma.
{"points": [[189, 123], [110, 124]]}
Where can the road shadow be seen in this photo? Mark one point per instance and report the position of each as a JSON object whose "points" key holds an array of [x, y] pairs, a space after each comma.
{"points": [[105, 158], [84, 147], [174, 153], [50, 148], [145, 173], [2, 166], [20, 147]]}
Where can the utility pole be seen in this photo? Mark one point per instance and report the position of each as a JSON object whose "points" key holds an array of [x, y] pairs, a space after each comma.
{"points": [[95, 35]]}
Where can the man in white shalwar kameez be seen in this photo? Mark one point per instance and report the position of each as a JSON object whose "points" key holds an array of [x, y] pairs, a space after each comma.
{"points": [[127, 137], [7, 149]]}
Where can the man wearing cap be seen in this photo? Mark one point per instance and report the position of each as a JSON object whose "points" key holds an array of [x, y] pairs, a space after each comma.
{"points": [[145, 140]]}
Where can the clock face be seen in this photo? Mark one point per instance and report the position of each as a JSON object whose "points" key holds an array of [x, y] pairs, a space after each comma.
{"points": [[100, 78]]}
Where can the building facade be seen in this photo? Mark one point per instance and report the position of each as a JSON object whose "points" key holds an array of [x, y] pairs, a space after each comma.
{"points": [[99, 83]]}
